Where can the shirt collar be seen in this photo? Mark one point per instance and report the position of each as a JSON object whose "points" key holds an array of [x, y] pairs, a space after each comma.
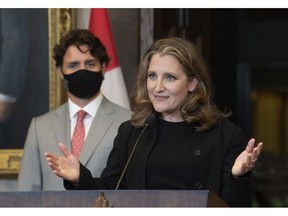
{"points": [[91, 108]]}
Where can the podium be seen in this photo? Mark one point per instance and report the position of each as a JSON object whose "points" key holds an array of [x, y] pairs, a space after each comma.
{"points": [[115, 198]]}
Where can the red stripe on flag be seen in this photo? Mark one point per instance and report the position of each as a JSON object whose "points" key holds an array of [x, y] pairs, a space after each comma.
{"points": [[99, 25]]}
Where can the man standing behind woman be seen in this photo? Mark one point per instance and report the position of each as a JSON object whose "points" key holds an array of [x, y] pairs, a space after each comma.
{"points": [[183, 140], [81, 60]]}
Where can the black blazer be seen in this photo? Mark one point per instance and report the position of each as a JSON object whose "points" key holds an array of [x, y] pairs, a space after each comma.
{"points": [[214, 150]]}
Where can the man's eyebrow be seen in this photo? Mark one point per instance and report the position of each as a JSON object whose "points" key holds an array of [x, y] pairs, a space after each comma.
{"points": [[73, 62], [91, 60]]}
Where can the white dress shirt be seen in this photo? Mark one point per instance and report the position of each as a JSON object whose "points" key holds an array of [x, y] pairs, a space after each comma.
{"points": [[91, 110]]}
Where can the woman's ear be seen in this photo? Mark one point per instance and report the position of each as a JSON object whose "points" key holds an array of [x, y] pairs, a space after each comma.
{"points": [[192, 85]]}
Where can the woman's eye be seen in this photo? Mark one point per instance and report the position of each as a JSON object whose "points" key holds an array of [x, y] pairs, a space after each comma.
{"points": [[170, 78], [152, 76]]}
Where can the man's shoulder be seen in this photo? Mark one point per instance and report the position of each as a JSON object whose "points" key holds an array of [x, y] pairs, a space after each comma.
{"points": [[61, 110], [117, 109]]}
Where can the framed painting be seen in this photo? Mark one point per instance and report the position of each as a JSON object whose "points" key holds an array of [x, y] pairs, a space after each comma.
{"points": [[26, 63]]}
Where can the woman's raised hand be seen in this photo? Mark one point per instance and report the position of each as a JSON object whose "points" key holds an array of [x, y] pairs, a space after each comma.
{"points": [[66, 167], [247, 159]]}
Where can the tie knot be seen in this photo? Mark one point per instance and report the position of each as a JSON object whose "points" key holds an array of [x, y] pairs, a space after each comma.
{"points": [[81, 115]]}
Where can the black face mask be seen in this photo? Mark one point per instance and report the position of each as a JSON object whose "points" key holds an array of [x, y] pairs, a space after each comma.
{"points": [[84, 83]]}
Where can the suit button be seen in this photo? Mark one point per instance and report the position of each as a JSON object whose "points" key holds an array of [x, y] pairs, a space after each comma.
{"points": [[198, 185], [197, 152]]}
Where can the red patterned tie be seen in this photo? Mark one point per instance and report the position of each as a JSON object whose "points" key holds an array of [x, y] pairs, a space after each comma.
{"points": [[79, 134]]}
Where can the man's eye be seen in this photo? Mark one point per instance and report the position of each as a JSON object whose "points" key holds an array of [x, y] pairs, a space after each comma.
{"points": [[71, 66], [91, 65]]}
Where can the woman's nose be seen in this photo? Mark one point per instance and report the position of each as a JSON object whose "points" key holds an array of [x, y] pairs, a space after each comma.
{"points": [[159, 86]]}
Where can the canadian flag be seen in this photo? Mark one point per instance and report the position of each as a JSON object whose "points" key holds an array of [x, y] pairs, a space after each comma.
{"points": [[113, 86]]}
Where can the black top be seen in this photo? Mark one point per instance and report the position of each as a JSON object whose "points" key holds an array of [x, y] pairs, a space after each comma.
{"points": [[213, 154], [167, 161]]}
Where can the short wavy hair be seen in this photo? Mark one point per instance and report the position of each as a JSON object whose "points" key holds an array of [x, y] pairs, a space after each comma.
{"points": [[79, 37], [198, 108]]}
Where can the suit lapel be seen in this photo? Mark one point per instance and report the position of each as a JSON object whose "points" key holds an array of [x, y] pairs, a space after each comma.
{"points": [[61, 126], [100, 125]]}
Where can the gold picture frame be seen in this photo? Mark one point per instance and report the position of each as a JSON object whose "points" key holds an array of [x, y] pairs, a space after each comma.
{"points": [[59, 22]]}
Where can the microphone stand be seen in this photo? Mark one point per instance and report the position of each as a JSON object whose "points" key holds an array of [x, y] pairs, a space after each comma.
{"points": [[101, 201], [131, 154]]}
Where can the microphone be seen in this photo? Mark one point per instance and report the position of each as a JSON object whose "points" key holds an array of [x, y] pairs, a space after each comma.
{"points": [[146, 125]]}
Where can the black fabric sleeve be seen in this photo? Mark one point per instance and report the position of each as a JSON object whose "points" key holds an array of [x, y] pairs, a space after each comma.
{"points": [[86, 181]]}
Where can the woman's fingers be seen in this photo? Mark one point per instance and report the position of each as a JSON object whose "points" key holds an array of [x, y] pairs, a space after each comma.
{"points": [[64, 150]]}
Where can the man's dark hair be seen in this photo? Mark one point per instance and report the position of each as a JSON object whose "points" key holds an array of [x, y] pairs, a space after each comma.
{"points": [[79, 37]]}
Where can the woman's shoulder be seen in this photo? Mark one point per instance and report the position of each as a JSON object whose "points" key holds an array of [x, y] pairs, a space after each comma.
{"points": [[126, 127], [227, 123], [227, 126], [126, 124]]}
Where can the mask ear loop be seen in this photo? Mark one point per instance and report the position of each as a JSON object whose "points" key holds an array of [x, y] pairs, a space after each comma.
{"points": [[62, 76]]}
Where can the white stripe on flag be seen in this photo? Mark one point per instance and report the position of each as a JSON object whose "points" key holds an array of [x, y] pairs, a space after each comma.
{"points": [[113, 87]]}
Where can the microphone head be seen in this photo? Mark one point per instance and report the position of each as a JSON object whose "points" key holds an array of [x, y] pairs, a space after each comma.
{"points": [[149, 120]]}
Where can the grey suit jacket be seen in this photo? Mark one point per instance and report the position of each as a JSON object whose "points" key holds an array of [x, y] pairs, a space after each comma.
{"points": [[46, 131]]}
